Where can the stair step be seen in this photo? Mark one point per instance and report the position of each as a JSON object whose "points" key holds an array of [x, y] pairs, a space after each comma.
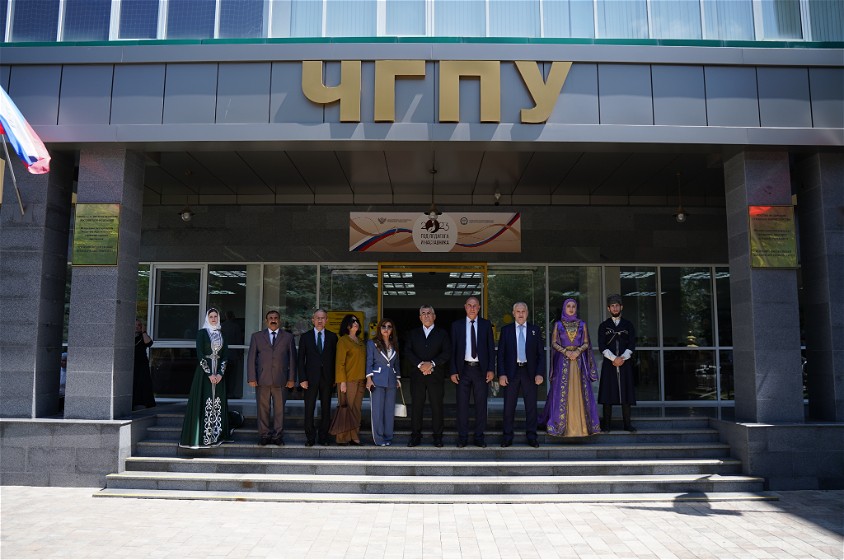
{"points": [[235, 482], [378, 467], [598, 450], [669, 497]]}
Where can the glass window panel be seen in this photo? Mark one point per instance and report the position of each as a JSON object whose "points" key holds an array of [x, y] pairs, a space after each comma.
{"points": [[460, 18], [406, 17], [191, 19], [622, 19], [305, 18], [176, 304], [227, 294], [509, 285], [142, 301], [646, 374], [569, 18], [582, 283], [241, 18], [351, 18], [514, 18], [687, 306], [4, 7], [725, 317], [781, 19], [350, 288], [728, 387], [729, 20], [689, 375], [637, 286], [675, 20], [35, 20], [172, 370], [827, 20], [290, 290], [138, 19], [86, 20]]}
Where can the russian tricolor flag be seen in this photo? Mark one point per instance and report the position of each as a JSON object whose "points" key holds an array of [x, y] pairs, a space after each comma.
{"points": [[26, 143]]}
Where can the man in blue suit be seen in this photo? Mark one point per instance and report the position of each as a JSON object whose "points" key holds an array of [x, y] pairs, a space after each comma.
{"points": [[521, 366], [472, 367]]}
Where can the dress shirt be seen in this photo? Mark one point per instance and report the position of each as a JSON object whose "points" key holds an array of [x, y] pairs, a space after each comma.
{"points": [[468, 357]]}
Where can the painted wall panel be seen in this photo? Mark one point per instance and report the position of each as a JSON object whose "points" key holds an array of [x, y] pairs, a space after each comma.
{"points": [[578, 102], [35, 91], [624, 94], [784, 97], [287, 102], [731, 98], [679, 95], [243, 93], [85, 94], [138, 94], [190, 93], [416, 98], [827, 90]]}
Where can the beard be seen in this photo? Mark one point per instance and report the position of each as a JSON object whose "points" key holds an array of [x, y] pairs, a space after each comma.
{"points": [[615, 315]]}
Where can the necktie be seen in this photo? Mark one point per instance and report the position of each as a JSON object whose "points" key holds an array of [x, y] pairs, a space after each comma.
{"points": [[319, 341], [521, 350], [474, 340], [272, 338]]}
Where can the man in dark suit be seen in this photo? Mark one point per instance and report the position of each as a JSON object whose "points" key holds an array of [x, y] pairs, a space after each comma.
{"points": [[317, 349], [271, 366], [472, 367], [521, 366], [429, 350]]}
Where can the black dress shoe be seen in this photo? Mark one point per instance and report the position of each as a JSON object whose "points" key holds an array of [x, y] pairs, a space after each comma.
{"points": [[265, 440], [309, 443], [278, 441], [507, 443], [480, 443], [461, 444], [324, 442], [438, 443], [533, 443], [630, 428], [414, 442]]}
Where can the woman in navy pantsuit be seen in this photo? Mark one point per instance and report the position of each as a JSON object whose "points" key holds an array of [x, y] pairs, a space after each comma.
{"points": [[382, 379]]}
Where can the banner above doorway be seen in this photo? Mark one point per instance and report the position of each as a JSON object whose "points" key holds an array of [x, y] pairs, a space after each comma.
{"points": [[458, 232]]}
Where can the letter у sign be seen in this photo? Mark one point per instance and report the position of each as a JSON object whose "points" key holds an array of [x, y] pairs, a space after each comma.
{"points": [[348, 92]]}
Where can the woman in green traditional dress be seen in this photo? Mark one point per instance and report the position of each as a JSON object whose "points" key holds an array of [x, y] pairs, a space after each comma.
{"points": [[207, 416]]}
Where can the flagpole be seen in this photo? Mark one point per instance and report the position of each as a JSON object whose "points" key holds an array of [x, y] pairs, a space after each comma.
{"points": [[12, 171]]}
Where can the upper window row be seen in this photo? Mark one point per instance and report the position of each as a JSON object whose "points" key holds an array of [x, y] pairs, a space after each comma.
{"points": [[728, 20]]}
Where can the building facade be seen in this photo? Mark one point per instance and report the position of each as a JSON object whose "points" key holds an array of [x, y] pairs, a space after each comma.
{"points": [[631, 140]]}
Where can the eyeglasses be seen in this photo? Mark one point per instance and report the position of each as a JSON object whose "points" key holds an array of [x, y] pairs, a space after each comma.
{"points": [[386, 327]]}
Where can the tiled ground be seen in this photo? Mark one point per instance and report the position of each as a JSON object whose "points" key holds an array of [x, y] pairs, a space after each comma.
{"points": [[70, 523]]}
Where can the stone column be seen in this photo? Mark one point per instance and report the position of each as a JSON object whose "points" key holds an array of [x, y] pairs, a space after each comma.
{"points": [[766, 330], [102, 298], [33, 271], [820, 202]]}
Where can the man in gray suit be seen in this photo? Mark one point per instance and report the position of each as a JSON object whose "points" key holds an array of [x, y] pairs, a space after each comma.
{"points": [[271, 366]]}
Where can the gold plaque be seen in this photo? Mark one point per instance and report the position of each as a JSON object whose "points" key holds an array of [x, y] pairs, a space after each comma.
{"points": [[773, 238], [96, 234]]}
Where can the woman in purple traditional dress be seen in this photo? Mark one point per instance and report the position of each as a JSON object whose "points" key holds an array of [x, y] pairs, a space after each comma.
{"points": [[570, 409]]}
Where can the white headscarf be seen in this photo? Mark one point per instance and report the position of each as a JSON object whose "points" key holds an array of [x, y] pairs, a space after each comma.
{"points": [[208, 326]]}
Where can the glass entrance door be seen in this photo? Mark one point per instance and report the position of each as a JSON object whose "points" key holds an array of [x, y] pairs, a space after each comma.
{"points": [[404, 287]]}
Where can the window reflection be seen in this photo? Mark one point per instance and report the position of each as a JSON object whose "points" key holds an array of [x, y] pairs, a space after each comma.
{"points": [[172, 370], [350, 288], [227, 294], [507, 286], [646, 374], [687, 306], [582, 283], [689, 375], [176, 304], [637, 286], [290, 290]]}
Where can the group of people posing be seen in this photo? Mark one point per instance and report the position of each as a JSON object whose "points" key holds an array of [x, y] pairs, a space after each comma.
{"points": [[465, 355]]}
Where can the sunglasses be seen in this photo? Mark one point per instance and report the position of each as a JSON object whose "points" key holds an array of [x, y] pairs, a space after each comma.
{"points": [[386, 327]]}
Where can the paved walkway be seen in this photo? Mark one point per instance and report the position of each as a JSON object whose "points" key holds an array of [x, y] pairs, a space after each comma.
{"points": [[69, 523]]}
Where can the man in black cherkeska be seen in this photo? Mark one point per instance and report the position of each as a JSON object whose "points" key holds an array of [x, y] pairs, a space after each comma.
{"points": [[616, 342]]}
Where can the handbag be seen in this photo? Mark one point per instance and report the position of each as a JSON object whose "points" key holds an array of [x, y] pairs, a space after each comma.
{"points": [[342, 420], [401, 408]]}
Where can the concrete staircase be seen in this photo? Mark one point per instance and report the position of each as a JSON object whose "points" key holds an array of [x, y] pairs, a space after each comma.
{"points": [[668, 458]]}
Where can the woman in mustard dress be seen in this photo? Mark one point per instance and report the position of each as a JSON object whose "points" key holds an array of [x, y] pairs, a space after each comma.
{"points": [[350, 375]]}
